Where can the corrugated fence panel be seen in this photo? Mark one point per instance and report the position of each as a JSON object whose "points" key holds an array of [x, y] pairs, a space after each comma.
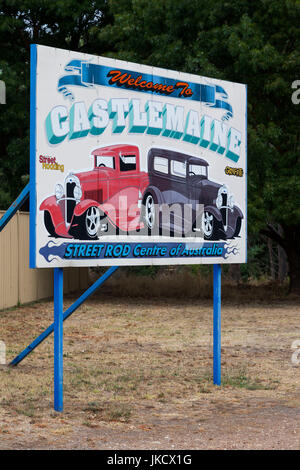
{"points": [[71, 279], [18, 283], [9, 264], [84, 279], [28, 278]]}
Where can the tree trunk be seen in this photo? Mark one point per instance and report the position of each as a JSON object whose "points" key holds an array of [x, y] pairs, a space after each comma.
{"points": [[234, 273], [271, 259], [289, 239], [282, 259], [282, 264], [294, 270]]}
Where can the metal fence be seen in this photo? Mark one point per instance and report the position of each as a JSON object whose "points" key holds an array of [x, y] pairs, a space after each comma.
{"points": [[18, 283]]}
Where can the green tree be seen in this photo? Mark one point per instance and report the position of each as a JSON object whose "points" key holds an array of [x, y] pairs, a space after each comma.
{"points": [[253, 42], [66, 24]]}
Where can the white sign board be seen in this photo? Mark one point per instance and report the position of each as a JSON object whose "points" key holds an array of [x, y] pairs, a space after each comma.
{"points": [[132, 164]]}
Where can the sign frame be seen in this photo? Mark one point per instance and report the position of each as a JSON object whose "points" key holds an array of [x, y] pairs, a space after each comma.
{"points": [[200, 258]]}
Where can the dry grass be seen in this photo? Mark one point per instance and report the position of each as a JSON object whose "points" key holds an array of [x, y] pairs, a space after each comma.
{"points": [[139, 370]]}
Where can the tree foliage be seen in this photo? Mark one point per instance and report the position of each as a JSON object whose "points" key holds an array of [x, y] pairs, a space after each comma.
{"points": [[250, 41], [66, 24]]}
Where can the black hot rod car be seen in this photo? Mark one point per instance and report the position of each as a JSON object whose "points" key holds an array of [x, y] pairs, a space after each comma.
{"points": [[182, 180]]}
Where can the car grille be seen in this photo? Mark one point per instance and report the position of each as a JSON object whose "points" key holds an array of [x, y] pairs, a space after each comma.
{"points": [[224, 210], [70, 204]]}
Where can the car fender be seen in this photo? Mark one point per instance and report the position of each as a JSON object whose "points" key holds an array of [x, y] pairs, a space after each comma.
{"points": [[144, 183], [83, 206], [155, 192], [50, 205], [106, 208], [214, 211], [237, 212]]}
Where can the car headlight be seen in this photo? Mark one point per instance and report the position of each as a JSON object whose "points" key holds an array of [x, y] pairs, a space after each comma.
{"points": [[231, 202], [59, 191], [77, 192], [222, 190], [219, 201]]}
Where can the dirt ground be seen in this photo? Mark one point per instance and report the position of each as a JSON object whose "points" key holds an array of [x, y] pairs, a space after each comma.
{"points": [[138, 375]]}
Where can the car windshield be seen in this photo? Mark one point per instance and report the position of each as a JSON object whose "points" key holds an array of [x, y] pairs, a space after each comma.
{"points": [[105, 161], [198, 170]]}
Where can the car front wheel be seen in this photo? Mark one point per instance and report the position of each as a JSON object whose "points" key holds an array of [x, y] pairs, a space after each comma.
{"points": [[92, 222], [87, 226], [210, 226], [150, 215]]}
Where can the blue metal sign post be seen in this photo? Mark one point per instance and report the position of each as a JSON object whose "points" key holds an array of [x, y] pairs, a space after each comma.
{"points": [[58, 339], [217, 325]]}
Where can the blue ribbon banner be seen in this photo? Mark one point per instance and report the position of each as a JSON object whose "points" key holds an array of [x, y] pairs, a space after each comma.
{"points": [[106, 250], [85, 74]]}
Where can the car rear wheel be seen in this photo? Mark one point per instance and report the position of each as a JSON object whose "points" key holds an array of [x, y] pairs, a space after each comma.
{"points": [[210, 226]]}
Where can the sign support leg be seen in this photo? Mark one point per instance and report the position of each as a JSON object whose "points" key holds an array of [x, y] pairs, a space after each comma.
{"points": [[58, 339], [217, 324]]}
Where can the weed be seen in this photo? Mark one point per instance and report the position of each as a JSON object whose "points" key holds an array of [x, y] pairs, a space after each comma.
{"points": [[241, 380], [118, 412]]}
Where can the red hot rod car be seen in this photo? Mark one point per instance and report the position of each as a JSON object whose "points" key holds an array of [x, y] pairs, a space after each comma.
{"points": [[110, 195]]}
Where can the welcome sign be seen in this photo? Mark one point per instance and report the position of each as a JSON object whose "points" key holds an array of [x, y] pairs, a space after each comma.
{"points": [[132, 164]]}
